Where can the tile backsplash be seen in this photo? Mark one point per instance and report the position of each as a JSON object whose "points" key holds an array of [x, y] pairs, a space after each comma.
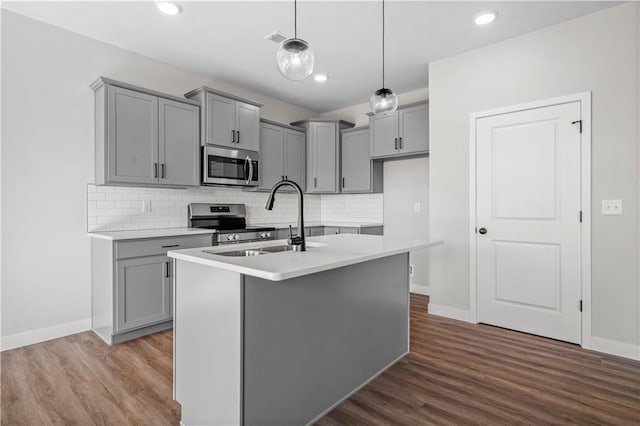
{"points": [[113, 208]]}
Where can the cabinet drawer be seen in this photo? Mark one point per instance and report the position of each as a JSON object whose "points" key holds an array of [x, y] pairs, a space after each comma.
{"points": [[160, 246]]}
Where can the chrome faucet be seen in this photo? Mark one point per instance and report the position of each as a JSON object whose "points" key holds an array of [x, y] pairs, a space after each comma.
{"points": [[294, 240]]}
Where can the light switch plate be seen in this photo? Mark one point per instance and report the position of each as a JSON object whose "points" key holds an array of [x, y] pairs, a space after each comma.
{"points": [[146, 206], [417, 207], [611, 207]]}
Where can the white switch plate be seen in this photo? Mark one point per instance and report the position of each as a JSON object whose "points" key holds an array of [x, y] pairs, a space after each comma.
{"points": [[146, 206], [611, 207], [417, 207], [410, 270]]}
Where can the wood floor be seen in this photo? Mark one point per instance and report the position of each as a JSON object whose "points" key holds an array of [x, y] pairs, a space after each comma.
{"points": [[457, 373]]}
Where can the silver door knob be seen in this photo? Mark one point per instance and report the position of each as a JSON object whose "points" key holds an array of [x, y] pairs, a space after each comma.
{"points": [[482, 231]]}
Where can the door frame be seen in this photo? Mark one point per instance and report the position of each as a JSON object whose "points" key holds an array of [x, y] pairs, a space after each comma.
{"points": [[585, 202]]}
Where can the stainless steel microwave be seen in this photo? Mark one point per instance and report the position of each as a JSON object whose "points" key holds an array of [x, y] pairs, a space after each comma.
{"points": [[221, 166]]}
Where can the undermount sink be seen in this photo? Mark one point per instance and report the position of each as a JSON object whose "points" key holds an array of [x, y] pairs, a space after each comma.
{"points": [[262, 250]]}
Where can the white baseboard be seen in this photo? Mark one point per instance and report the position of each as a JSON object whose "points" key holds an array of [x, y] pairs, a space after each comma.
{"points": [[613, 347], [17, 340], [449, 312], [419, 289]]}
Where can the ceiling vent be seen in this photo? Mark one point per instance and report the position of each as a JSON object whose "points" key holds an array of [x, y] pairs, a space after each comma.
{"points": [[276, 37]]}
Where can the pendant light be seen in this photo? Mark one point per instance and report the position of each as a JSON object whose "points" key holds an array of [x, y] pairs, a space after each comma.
{"points": [[383, 100], [294, 58]]}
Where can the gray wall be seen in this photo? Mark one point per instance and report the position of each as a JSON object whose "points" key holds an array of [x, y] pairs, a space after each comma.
{"points": [[597, 53]]}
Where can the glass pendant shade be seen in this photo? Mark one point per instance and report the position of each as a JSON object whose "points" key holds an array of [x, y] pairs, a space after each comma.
{"points": [[383, 101], [295, 59]]}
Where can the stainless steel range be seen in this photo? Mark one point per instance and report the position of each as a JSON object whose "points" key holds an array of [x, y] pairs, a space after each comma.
{"points": [[228, 221]]}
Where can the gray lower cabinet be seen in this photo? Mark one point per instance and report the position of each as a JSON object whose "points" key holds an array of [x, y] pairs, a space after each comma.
{"points": [[403, 133], [359, 173], [227, 120], [282, 154], [144, 292], [144, 137], [315, 231], [131, 285], [365, 230], [323, 153]]}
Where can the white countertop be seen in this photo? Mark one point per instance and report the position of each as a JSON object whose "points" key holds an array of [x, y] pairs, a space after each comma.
{"points": [[323, 253], [174, 232], [328, 223], [148, 233]]}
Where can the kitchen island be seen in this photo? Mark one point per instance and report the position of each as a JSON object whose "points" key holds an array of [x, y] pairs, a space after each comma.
{"points": [[270, 337]]}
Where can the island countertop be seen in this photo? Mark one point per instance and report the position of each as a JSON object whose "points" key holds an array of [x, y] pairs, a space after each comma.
{"points": [[323, 253]]}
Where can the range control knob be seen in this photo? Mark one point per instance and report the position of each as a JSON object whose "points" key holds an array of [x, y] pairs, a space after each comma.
{"points": [[236, 237], [268, 234], [263, 235]]}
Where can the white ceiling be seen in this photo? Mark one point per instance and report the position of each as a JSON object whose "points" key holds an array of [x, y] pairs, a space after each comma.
{"points": [[225, 39]]}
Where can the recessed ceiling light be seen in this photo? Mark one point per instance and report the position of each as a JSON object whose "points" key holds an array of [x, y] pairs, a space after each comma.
{"points": [[320, 78], [169, 7], [485, 17]]}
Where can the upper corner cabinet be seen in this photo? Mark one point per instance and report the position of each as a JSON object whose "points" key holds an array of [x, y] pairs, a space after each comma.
{"points": [[228, 120], [144, 137], [402, 133]]}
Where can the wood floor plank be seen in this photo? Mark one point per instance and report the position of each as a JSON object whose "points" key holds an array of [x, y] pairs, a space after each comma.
{"points": [[456, 374]]}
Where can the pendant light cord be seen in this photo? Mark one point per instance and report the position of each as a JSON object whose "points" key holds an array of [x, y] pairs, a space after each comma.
{"points": [[295, 18], [383, 44]]}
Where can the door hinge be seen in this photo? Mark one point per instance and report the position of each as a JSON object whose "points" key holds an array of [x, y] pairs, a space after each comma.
{"points": [[580, 216], [579, 122], [581, 306]]}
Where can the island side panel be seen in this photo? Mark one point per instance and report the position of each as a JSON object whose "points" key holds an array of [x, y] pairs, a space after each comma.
{"points": [[207, 344], [310, 341]]}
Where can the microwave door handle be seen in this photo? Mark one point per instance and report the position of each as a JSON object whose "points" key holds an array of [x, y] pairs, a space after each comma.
{"points": [[250, 178], [245, 169]]}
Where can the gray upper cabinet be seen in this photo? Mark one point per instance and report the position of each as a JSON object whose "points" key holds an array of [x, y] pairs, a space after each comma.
{"points": [[359, 172], [144, 137], [178, 143], [295, 156], [323, 153], [282, 154], [228, 120], [143, 292], [132, 136], [405, 132]]}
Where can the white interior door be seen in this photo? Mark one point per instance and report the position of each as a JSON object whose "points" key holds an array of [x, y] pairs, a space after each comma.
{"points": [[528, 220]]}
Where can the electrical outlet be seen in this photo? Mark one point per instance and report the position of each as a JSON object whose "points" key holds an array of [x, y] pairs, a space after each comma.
{"points": [[410, 270], [417, 207], [611, 207], [146, 206]]}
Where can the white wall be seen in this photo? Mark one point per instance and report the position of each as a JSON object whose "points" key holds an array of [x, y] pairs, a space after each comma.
{"points": [[405, 183], [47, 160], [598, 53]]}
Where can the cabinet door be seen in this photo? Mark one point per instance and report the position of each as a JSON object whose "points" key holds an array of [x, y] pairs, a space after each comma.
{"points": [[349, 230], [220, 120], [144, 295], [322, 155], [179, 143], [271, 167], [132, 136], [295, 156], [356, 163], [414, 129], [384, 131], [247, 126], [315, 231], [330, 230]]}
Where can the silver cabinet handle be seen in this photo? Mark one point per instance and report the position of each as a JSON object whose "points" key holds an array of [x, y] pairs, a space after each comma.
{"points": [[233, 136], [166, 269], [400, 142], [171, 245], [155, 170], [315, 182], [395, 143], [343, 182], [162, 171], [237, 136]]}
